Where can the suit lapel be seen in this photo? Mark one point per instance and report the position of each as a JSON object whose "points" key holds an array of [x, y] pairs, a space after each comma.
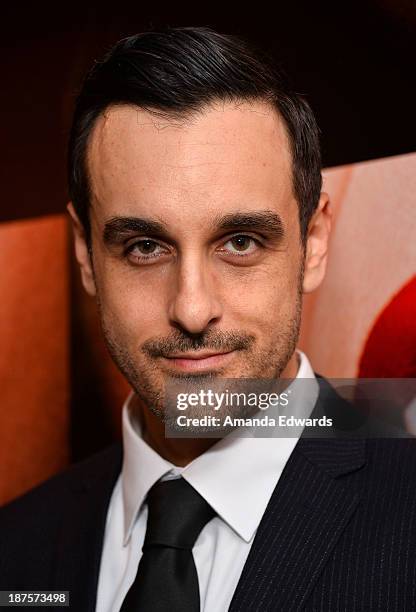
{"points": [[82, 529], [303, 521]]}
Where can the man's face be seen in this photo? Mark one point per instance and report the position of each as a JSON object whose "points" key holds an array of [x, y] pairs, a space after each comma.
{"points": [[196, 252]]}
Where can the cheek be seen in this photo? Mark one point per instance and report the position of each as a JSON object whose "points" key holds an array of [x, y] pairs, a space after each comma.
{"points": [[131, 307], [262, 298]]}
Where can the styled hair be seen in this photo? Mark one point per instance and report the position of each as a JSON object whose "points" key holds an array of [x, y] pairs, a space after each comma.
{"points": [[177, 72]]}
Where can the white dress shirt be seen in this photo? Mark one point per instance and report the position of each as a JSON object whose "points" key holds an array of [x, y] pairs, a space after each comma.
{"points": [[236, 476]]}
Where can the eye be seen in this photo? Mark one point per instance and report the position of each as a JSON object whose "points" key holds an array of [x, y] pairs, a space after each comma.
{"points": [[145, 249], [241, 244]]}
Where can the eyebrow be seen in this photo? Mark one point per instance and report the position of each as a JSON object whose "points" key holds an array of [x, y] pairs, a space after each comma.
{"points": [[263, 221], [118, 229]]}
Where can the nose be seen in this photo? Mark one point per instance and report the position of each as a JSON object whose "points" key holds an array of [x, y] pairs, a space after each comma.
{"points": [[194, 305]]}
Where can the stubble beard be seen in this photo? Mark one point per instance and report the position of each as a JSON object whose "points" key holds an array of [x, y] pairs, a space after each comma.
{"points": [[148, 381]]}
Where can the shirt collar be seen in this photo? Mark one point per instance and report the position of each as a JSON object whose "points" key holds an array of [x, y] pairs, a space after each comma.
{"points": [[142, 467], [236, 476]]}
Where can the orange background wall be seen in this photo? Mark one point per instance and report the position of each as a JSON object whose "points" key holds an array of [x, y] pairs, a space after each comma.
{"points": [[34, 356]]}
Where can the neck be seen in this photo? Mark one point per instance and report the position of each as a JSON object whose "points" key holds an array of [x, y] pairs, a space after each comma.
{"points": [[181, 451]]}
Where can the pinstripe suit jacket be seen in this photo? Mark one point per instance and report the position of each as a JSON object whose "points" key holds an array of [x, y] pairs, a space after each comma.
{"points": [[339, 532]]}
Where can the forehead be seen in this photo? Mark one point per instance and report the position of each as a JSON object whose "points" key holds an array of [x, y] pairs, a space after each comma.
{"points": [[228, 155]]}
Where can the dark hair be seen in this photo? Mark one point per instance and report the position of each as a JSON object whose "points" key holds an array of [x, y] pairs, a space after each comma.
{"points": [[178, 71]]}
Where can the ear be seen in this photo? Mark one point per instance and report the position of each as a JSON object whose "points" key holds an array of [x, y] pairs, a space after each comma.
{"points": [[317, 245], [81, 252]]}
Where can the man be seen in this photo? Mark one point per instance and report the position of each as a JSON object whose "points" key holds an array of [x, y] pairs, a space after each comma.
{"points": [[199, 222]]}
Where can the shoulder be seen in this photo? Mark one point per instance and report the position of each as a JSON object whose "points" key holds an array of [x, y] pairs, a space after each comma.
{"points": [[43, 502], [389, 452], [53, 518]]}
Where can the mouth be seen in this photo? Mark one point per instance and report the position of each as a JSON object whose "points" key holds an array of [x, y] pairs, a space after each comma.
{"points": [[198, 361]]}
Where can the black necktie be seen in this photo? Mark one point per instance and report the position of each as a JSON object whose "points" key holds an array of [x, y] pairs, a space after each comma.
{"points": [[166, 579]]}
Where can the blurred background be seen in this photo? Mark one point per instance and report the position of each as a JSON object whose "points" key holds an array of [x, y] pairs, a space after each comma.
{"points": [[60, 394]]}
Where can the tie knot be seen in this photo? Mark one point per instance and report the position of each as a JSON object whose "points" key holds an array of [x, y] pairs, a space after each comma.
{"points": [[177, 514]]}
